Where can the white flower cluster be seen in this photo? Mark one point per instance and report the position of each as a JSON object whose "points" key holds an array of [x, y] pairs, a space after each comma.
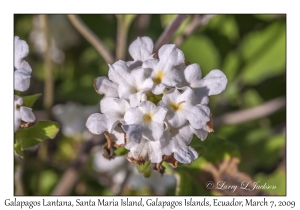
{"points": [[154, 104], [21, 83]]}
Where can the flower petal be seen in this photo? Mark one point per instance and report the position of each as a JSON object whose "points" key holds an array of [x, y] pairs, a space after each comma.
{"points": [[141, 48], [198, 116], [133, 132], [169, 55], [134, 64], [176, 119], [21, 51], [172, 78], [96, 123], [154, 132], [140, 82], [145, 150], [133, 116], [201, 133], [192, 73], [104, 86], [159, 114], [114, 110], [26, 114], [186, 155], [17, 121], [150, 66], [109, 104], [117, 136], [119, 72], [215, 82], [22, 80], [18, 100], [158, 89]]}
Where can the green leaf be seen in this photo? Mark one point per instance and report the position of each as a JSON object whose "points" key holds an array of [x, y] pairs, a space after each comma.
{"points": [[225, 25], [47, 180], [264, 53], [30, 100], [147, 172], [212, 150], [188, 182], [200, 150], [17, 92], [276, 180], [34, 135], [121, 151], [144, 169], [201, 49], [17, 149], [216, 149]]}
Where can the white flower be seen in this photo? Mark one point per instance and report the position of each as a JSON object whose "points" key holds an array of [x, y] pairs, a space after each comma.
{"points": [[144, 150], [114, 110], [23, 69], [132, 84], [72, 116], [104, 86], [96, 123], [212, 84], [152, 132], [140, 50], [163, 71], [60, 40], [176, 141], [180, 109], [22, 113], [150, 118]]}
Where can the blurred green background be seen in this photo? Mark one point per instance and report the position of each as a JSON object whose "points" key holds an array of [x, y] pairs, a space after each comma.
{"points": [[249, 49]]}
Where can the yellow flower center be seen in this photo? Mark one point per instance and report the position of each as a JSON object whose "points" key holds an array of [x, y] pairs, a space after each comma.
{"points": [[147, 118], [176, 107], [158, 77]]}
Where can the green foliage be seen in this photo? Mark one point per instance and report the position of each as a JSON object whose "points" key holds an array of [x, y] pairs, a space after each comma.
{"points": [[189, 182], [47, 181], [264, 53], [144, 169], [200, 49], [16, 92], [32, 136], [188, 177], [30, 100], [154, 98], [277, 179], [213, 150], [18, 149], [121, 151]]}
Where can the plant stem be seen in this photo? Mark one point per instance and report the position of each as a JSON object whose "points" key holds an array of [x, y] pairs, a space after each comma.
{"points": [[71, 175], [196, 22], [92, 38], [124, 22], [257, 112], [168, 33], [49, 90]]}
